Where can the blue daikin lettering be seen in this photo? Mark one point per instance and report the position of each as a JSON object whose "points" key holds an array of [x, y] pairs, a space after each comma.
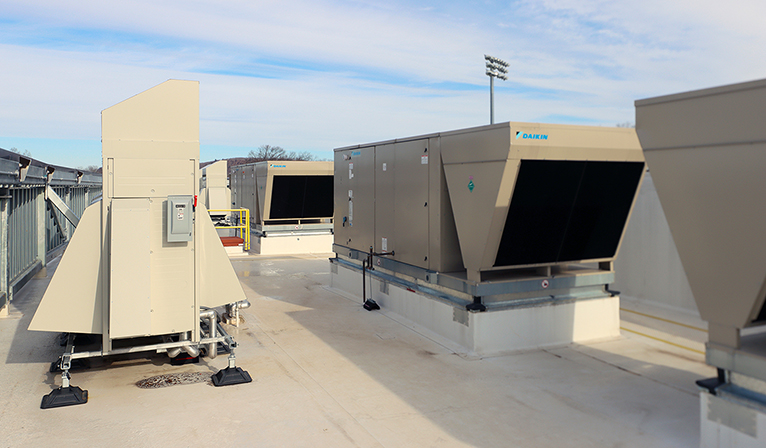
{"points": [[526, 136]]}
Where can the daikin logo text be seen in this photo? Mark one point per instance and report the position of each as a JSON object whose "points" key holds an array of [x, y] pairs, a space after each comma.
{"points": [[526, 136]]}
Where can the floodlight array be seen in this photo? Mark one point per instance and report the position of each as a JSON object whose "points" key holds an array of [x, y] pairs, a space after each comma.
{"points": [[496, 67]]}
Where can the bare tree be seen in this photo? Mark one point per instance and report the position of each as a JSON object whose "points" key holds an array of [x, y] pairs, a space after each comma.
{"points": [[268, 152], [92, 168], [303, 155], [626, 124], [24, 153]]}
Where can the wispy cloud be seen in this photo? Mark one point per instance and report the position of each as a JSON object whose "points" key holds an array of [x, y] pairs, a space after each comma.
{"points": [[312, 75]]}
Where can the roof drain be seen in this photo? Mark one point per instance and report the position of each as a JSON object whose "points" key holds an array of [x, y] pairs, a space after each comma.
{"points": [[232, 311]]}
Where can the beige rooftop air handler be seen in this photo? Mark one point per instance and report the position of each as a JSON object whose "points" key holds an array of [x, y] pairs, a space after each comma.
{"points": [[214, 190], [290, 203], [231, 224], [145, 267], [707, 154], [493, 218]]}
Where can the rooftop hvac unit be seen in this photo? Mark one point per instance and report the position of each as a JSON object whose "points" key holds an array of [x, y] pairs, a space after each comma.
{"points": [[707, 152], [291, 204], [214, 189], [283, 194], [493, 198], [495, 237], [145, 264]]}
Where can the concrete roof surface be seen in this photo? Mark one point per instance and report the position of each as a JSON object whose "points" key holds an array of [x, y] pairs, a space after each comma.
{"points": [[327, 373]]}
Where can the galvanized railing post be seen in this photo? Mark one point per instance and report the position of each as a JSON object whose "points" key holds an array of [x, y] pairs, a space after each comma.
{"points": [[42, 210], [4, 293]]}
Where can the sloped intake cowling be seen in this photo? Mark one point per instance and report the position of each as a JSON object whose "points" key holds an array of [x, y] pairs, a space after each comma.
{"points": [[219, 284], [706, 151], [572, 188], [712, 198], [480, 194], [72, 302]]}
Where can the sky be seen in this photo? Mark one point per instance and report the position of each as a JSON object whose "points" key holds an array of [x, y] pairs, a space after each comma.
{"points": [[315, 75]]}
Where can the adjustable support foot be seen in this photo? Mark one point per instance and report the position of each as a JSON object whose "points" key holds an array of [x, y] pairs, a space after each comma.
{"points": [[711, 384], [64, 396], [476, 306], [231, 375]]}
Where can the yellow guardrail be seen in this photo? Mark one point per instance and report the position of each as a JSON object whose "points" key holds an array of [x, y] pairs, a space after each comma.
{"points": [[243, 224]]}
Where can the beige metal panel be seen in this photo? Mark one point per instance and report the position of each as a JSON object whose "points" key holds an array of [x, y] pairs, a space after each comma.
{"points": [[235, 188], [251, 183], [217, 199], [203, 196], [480, 211], [411, 202], [706, 151], [75, 289], [341, 183], [294, 167], [167, 112], [721, 115], [444, 249], [135, 178], [130, 304], [248, 190], [385, 199], [480, 144], [219, 284], [517, 140], [215, 174], [243, 189], [172, 276], [475, 167], [648, 266], [216, 194], [354, 198], [567, 142], [261, 186], [150, 151], [710, 197]]}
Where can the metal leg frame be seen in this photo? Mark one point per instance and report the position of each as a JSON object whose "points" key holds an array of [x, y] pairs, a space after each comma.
{"points": [[66, 395], [232, 374]]}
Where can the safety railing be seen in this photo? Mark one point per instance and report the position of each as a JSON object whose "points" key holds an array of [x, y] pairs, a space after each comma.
{"points": [[241, 218], [30, 227]]}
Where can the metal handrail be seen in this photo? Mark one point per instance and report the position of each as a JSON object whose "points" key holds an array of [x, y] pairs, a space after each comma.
{"points": [[244, 225]]}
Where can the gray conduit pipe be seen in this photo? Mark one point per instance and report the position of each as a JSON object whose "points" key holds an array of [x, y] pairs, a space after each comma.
{"points": [[192, 350], [212, 323]]}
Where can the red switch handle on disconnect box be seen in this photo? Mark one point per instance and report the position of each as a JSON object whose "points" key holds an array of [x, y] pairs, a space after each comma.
{"points": [[195, 201]]}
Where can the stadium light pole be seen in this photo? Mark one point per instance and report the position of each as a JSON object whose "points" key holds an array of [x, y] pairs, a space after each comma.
{"points": [[496, 68]]}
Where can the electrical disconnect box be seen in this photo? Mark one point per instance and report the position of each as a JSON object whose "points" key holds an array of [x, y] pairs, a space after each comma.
{"points": [[180, 218]]}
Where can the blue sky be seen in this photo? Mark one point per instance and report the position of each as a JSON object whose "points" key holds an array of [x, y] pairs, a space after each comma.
{"points": [[318, 74]]}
